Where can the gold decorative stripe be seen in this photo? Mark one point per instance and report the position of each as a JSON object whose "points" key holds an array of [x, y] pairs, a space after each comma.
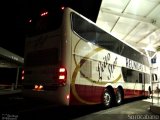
{"points": [[75, 51], [77, 69]]}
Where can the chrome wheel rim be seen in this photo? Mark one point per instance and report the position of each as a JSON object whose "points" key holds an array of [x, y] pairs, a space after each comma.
{"points": [[107, 99], [118, 97]]}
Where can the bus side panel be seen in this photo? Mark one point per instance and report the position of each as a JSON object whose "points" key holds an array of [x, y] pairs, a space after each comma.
{"points": [[81, 89], [86, 85]]}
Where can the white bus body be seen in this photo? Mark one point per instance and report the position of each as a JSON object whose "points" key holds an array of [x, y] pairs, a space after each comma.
{"points": [[73, 66]]}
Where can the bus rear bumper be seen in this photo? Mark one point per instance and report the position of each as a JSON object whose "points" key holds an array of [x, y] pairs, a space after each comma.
{"points": [[54, 97]]}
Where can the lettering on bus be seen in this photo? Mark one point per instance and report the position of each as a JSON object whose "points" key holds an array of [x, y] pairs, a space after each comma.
{"points": [[133, 65], [102, 65]]}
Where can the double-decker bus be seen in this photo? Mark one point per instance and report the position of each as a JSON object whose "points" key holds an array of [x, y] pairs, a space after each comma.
{"points": [[81, 64]]}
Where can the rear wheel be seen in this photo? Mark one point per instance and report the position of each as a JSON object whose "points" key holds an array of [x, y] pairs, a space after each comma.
{"points": [[107, 98], [119, 96]]}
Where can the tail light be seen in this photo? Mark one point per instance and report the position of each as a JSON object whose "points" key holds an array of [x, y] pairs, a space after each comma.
{"points": [[22, 75], [62, 76]]}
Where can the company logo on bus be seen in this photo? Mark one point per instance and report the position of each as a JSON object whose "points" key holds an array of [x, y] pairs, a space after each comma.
{"points": [[133, 65]]}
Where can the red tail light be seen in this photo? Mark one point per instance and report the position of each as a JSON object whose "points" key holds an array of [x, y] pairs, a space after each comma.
{"points": [[22, 75], [62, 76]]}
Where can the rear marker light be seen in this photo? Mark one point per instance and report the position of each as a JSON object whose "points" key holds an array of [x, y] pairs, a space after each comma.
{"points": [[68, 97], [36, 87], [22, 78], [22, 75], [41, 87]]}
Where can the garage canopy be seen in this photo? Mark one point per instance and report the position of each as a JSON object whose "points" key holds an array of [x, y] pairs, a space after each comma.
{"points": [[9, 59], [136, 22]]}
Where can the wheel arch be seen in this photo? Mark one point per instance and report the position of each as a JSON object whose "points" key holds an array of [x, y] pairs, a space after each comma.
{"points": [[111, 89]]}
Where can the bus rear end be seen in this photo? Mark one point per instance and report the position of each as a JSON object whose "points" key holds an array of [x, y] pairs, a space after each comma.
{"points": [[46, 67]]}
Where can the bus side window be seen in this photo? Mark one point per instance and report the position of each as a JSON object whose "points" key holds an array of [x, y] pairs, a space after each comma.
{"points": [[125, 74], [140, 77], [152, 77]]}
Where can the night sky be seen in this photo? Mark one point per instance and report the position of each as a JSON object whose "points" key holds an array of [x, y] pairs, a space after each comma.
{"points": [[17, 13]]}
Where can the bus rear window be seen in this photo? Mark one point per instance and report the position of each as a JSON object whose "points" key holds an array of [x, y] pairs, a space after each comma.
{"points": [[42, 57], [44, 24]]}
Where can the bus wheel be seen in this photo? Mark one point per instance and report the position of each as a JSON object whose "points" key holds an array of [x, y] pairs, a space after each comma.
{"points": [[119, 97], [107, 99]]}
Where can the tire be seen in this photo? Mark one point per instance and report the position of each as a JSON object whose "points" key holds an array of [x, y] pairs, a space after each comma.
{"points": [[119, 97], [107, 99]]}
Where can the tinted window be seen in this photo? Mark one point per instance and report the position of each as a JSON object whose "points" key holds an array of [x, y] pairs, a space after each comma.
{"points": [[147, 78], [91, 33], [94, 34], [44, 24], [132, 76]]}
